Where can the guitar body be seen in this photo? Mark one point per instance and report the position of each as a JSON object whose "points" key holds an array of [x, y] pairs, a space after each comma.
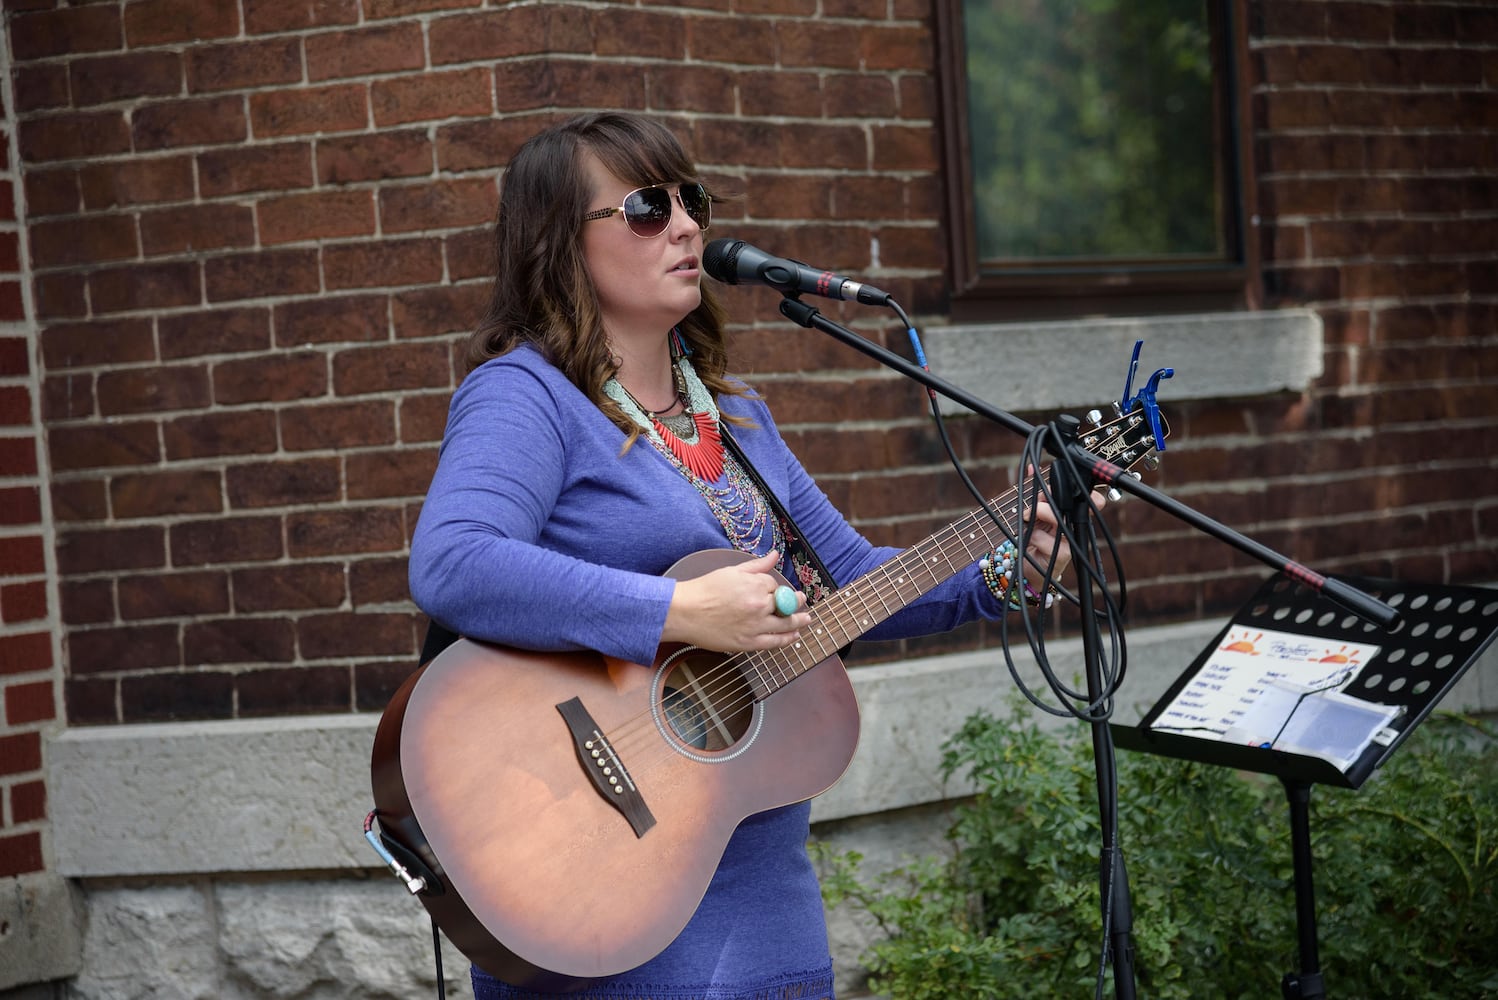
{"points": [[570, 849]]}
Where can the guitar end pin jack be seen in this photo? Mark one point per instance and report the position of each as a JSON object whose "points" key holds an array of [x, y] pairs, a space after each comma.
{"points": [[414, 883]]}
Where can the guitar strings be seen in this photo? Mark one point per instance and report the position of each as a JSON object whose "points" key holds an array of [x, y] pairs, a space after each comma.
{"points": [[720, 681]]}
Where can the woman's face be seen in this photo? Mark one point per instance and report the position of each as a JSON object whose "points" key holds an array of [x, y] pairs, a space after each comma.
{"points": [[644, 286]]}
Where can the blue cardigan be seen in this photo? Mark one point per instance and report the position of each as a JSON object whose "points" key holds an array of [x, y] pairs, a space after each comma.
{"points": [[533, 511]]}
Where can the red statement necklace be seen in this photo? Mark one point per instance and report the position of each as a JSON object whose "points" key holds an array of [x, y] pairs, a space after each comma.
{"points": [[702, 457]]}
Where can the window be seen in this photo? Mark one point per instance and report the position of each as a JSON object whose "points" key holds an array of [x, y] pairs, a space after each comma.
{"points": [[1093, 156]]}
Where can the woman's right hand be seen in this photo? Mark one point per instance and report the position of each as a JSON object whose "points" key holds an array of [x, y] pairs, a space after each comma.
{"points": [[732, 609]]}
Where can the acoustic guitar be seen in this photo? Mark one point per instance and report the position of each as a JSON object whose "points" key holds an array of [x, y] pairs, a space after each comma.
{"points": [[566, 811]]}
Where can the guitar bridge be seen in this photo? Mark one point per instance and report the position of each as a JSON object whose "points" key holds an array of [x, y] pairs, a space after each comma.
{"points": [[604, 768]]}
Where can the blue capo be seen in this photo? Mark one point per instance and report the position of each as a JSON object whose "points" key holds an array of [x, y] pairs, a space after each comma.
{"points": [[1146, 396]]}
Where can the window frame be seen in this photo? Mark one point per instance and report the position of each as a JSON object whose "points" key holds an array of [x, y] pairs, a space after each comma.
{"points": [[1110, 285]]}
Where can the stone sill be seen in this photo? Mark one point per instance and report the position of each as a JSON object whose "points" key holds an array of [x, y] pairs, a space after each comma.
{"points": [[1029, 367], [291, 794]]}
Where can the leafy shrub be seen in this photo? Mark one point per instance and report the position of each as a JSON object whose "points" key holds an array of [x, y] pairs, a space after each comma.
{"points": [[1405, 871]]}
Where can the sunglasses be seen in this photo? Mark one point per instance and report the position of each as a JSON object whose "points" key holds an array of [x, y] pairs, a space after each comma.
{"points": [[647, 210]]}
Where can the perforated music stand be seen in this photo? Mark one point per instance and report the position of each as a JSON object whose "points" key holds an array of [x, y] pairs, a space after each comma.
{"points": [[1442, 632]]}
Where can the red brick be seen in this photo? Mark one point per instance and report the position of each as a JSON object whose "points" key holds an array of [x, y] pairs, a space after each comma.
{"points": [[438, 205], [25, 653], [176, 697], [430, 96], [339, 108], [220, 433], [101, 446], [52, 192], [691, 88], [241, 65], [174, 595], [282, 483], [379, 581], [470, 254], [300, 586], [294, 691], [424, 417], [139, 287], [95, 550], [639, 33], [41, 87], [239, 640], [18, 455], [376, 475], [221, 331], [225, 539], [87, 602], [276, 378], [79, 500], [195, 228], [15, 356], [87, 240], [254, 275], [20, 752], [487, 143], [29, 703], [23, 602], [157, 494], [374, 156], [200, 122], [278, 167], [20, 505], [438, 310], [509, 32], [332, 319], [382, 263], [323, 215], [136, 182], [855, 95], [800, 43], [91, 702], [343, 635], [15, 406], [20, 854], [69, 31], [717, 39], [547, 82], [28, 802], [365, 51], [153, 390], [265, 16], [391, 367], [60, 296], [84, 134], [106, 79], [338, 425], [344, 531], [164, 22]]}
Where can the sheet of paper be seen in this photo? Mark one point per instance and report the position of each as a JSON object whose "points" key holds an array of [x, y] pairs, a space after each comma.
{"points": [[1244, 670]]}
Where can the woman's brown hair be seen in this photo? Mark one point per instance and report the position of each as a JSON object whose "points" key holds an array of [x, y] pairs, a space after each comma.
{"points": [[542, 293]]}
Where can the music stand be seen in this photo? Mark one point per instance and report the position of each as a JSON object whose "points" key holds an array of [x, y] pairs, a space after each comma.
{"points": [[1359, 692]]}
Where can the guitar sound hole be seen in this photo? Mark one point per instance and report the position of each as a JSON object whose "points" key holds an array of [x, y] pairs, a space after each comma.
{"points": [[706, 702]]}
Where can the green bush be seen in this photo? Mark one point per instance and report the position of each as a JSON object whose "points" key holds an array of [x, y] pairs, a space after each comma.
{"points": [[1405, 874]]}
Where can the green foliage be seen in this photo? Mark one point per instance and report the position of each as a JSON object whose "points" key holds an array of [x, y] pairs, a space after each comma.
{"points": [[1406, 875]]}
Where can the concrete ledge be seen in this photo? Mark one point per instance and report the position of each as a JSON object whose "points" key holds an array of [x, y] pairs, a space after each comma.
{"points": [[41, 930], [290, 794], [1045, 366]]}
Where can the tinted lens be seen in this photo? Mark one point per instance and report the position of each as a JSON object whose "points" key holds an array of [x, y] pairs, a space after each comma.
{"points": [[698, 205], [648, 211]]}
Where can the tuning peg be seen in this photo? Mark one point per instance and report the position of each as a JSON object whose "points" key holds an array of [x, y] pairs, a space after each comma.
{"points": [[1152, 462], [1095, 417], [1113, 495]]}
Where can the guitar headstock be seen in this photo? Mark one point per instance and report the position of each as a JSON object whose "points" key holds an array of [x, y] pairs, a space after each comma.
{"points": [[1127, 440]]}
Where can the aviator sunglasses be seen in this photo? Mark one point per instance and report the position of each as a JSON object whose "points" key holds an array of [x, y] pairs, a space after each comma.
{"points": [[647, 210]]}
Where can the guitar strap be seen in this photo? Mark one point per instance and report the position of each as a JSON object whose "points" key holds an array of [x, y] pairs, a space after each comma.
{"points": [[810, 573]]}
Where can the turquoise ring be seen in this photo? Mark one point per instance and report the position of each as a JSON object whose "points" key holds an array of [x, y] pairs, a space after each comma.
{"points": [[785, 601]]}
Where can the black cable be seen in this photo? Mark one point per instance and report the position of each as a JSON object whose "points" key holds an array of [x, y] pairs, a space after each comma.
{"points": [[437, 951]]}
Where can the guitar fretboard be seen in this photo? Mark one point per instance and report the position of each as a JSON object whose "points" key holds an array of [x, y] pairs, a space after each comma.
{"points": [[855, 609]]}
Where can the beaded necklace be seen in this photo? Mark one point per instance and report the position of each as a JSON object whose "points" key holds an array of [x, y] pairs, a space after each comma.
{"points": [[736, 503]]}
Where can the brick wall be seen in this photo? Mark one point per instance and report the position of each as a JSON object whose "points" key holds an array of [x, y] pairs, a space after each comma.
{"points": [[28, 683], [259, 228]]}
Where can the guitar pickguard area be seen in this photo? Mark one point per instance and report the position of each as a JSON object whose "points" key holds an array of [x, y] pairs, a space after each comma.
{"points": [[705, 706]]}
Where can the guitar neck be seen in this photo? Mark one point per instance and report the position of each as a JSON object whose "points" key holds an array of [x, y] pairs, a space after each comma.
{"points": [[848, 613]]}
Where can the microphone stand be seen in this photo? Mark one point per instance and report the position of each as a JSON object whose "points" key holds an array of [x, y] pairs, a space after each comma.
{"points": [[1076, 510]]}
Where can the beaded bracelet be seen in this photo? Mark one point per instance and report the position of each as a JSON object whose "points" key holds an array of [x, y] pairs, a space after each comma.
{"points": [[997, 568]]}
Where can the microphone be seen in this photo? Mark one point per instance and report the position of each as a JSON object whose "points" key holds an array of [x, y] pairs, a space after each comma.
{"points": [[735, 262]]}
